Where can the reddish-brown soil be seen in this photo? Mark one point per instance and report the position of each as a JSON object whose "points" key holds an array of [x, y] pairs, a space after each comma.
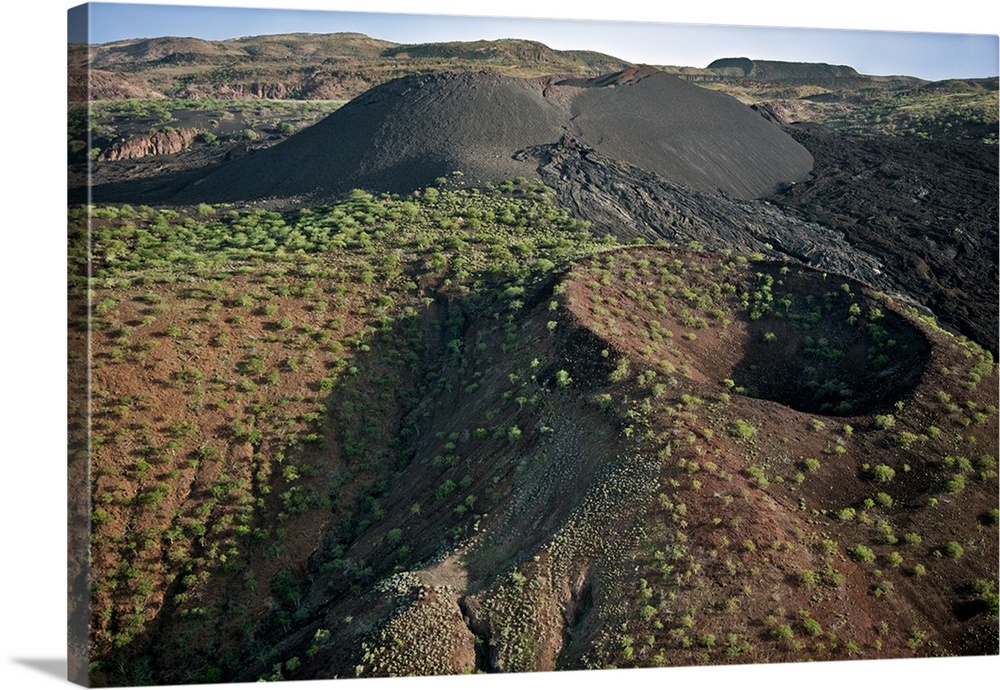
{"points": [[727, 547], [199, 392], [782, 515], [619, 492]]}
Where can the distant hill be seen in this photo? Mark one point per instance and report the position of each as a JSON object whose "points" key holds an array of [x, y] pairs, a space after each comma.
{"points": [[776, 70], [305, 66], [145, 54], [960, 86], [507, 52], [814, 73]]}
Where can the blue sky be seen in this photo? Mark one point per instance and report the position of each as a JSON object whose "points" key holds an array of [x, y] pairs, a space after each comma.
{"points": [[915, 51]]}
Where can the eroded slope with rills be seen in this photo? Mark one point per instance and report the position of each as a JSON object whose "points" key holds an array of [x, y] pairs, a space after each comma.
{"points": [[401, 136]]}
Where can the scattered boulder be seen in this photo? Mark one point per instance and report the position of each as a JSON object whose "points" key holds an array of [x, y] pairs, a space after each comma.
{"points": [[156, 144]]}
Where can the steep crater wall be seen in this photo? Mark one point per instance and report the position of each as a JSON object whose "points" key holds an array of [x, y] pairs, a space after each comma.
{"points": [[817, 343]]}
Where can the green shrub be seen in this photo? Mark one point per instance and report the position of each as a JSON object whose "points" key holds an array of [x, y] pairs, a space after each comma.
{"points": [[883, 474], [741, 429], [620, 372], [784, 632], [286, 588], [885, 421], [812, 626], [446, 489], [100, 517], [188, 375], [757, 474], [955, 484], [861, 554], [884, 499], [986, 592]]}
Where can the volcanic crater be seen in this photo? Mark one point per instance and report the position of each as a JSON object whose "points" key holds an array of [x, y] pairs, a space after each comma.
{"points": [[808, 340]]}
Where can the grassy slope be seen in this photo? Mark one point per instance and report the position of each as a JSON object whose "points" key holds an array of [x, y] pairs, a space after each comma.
{"points": [[219, 338], [271, 441], [763, 530]]}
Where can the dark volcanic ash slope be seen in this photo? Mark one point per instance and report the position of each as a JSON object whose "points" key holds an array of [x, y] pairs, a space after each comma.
{"points": [[402, 135], [689, 135], [928, 210]]}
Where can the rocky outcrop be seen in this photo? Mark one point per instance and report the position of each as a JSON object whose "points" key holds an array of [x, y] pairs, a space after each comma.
{"points": [[274, 90], [98, 85], [155, 144]]}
